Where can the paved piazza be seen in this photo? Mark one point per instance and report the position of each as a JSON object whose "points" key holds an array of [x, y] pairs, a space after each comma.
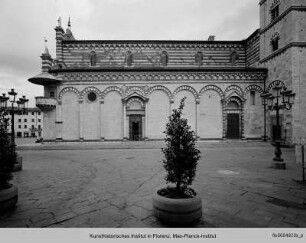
{"points": [[110, 185]]}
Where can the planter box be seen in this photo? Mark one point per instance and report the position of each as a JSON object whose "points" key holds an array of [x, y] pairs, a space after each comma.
{"points": [[8, 199], [181, 212]]}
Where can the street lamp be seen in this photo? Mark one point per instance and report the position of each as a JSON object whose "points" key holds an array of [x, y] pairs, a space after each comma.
{"points": [[21, 103], [278, 99]]}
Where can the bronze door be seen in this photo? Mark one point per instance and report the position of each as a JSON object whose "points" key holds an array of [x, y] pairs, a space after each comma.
{"points": [[135, 128], [233, 126]]}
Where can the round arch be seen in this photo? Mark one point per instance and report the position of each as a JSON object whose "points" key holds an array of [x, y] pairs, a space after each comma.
{"points": [[68, 89], [211, 87], [252, 87], [188, 88], [160, 87], [90, 89], [275, 83], [110, 89], [235, 88]]}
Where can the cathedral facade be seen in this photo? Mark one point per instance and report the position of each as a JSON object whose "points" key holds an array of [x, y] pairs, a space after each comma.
{"points": [[96, 90]]}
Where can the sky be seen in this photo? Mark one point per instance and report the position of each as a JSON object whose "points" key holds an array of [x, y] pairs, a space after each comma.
{"points": [[25, 23]]}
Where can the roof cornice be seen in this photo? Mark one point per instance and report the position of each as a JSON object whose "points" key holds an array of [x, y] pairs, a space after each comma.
{"points": [[156, 70], [150, 42]]}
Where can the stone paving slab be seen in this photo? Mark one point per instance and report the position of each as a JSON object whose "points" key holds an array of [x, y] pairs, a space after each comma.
{"points": [[113, 187]]}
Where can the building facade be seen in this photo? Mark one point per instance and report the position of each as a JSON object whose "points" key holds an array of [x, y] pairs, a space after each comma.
{"points": [[26, 124], [97, 90]]}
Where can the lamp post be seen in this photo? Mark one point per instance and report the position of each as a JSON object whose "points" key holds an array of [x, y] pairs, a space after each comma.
{"points": [[278, 99], [21, 103]]}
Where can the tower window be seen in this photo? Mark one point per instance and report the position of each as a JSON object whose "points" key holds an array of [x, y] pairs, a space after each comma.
{"points": [[274, 12], [252, 97], [275, 43]]}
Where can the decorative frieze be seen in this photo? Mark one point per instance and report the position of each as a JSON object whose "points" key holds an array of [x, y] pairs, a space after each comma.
{"points": [[147, 76], [157, 45]]}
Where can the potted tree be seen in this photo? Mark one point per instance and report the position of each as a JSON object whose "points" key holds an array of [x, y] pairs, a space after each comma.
{"points": [[8, 192], [179, 204]]}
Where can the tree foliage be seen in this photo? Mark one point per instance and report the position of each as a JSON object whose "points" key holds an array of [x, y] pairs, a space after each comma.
{"points": [[180, 154], [7, 153]]}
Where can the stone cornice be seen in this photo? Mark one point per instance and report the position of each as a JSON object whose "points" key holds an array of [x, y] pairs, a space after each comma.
{"points": [[260, 75], [157, 69], [282, 50], [280, 17], [161, 44]]}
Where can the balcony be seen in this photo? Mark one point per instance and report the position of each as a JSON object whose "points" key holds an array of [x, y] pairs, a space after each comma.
{"points": [[45, 103]]}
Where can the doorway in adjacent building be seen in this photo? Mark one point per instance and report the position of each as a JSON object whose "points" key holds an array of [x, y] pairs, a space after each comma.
{"points": [[233, 126], [135, 127]]}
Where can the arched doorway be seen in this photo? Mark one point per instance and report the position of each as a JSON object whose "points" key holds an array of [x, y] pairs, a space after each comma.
{"points": [[234, 124], [135, 112]]}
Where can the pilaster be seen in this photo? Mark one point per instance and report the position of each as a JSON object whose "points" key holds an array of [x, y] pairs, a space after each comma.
{"points": [[198, 118], [58, 120], [101, 120], [80, 119], [223, 102], [124, 122]]}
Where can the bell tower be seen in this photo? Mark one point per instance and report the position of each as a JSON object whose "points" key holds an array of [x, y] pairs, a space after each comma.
{"points": [[283, 53]]}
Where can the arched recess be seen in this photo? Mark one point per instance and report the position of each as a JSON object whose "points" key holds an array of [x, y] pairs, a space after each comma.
{"points": [[70, 116], [252, 87], [210, 119], [188, 88], [158, 111], [275, 83], [160, 87], [253, 112], [110, 89], [89, 89], [212, 87], [91, 113], [233, 88], [134, 89], [189, 110], [233, 126], [68, 89], [113, 116]]}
